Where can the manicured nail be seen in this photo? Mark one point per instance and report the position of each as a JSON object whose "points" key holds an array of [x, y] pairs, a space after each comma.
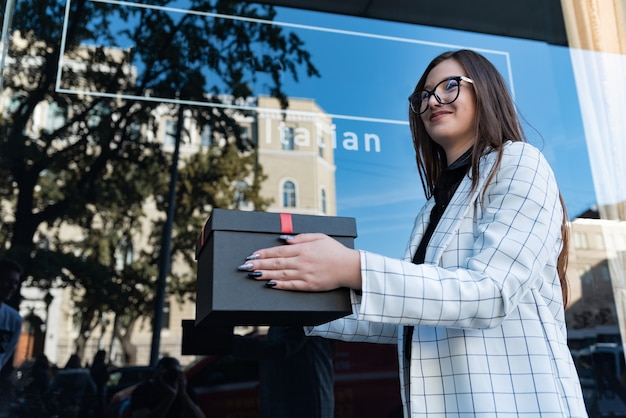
{"points": [[270, 284], [244, 267], [286, 237], [253, 257], [255, 274]]}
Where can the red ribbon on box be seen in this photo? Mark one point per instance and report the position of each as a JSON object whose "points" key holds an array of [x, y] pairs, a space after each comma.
{"points": [[286, 224]]}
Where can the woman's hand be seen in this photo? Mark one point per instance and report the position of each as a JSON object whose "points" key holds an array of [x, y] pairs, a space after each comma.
{"points": [[310, 262]]}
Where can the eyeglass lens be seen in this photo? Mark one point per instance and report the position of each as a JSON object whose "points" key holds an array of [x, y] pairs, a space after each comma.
{"points": [[446, 92]]}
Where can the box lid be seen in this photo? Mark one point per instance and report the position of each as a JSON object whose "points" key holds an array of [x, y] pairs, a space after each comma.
{"points": [[278, 223]]}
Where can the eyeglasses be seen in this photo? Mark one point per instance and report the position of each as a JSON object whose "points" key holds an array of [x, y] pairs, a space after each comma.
{"points": [[446, 92]]}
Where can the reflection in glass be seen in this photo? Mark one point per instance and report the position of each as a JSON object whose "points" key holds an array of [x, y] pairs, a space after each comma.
{"points": [[287, 138], [289, 194]]}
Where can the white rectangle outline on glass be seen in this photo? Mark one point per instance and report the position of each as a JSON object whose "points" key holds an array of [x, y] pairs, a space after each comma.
{"points": [[267, 22]]}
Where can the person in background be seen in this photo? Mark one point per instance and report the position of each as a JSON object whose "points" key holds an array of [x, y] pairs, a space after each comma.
{"points": [[99, 372], [476, 306], [10, 319], [296, 372], [36, 402], [165, 395], [73, 391], [10, 327]]}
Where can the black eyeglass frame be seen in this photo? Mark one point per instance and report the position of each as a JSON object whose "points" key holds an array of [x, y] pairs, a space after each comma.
{"points": [[426, 99]]}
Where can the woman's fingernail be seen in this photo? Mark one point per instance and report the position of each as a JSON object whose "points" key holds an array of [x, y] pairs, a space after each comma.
{"points": [[286, 237], [253, 257], [270, 284], [255, 274], [244, 267]]}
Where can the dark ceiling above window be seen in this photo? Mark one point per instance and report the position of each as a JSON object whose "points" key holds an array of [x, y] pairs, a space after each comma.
{"points": [[540, 20]]}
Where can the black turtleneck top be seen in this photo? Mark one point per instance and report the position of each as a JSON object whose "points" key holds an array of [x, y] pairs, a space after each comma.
{"points": [[444, 190]]}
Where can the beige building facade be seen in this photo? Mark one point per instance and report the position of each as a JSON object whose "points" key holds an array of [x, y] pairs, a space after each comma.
{"points": [[296, 151], [597, 246]]}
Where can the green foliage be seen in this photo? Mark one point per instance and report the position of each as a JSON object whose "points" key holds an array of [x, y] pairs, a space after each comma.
{"points": [[219, 177], [93, 167]]}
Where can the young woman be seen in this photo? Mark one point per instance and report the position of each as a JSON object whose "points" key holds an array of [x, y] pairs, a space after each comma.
{"points": [[477, 305]]}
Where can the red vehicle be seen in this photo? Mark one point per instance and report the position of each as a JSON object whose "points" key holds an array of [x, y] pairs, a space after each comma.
{"points": [[366, 384]]}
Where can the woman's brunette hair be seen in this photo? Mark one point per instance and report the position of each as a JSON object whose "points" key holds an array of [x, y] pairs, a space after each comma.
{"points": [[496, 123]]}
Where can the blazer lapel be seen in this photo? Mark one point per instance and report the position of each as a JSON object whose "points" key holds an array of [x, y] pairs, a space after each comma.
{"points": [[419, 228], [456, 211]]}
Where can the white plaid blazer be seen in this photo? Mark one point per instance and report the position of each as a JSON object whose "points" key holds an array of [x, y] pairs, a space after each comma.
{"points": [[490, 337]]}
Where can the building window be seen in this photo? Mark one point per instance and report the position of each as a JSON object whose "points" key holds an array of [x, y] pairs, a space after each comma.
{"points": [[287, 138], [170, 132], [289, 195], [323, 197], [206, 136], [580, 240]]}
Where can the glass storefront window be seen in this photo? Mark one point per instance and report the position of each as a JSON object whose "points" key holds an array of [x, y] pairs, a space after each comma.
{"points": [[350, 151]]}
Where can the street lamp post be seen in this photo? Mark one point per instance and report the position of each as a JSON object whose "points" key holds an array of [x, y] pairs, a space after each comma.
{"points": [[164, 266]]}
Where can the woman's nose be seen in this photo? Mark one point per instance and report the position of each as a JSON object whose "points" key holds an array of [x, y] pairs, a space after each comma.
{"points": [[434, 97]]}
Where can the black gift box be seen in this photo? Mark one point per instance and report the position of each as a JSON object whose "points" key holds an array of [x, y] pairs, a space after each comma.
{"points": [[227, 296]]}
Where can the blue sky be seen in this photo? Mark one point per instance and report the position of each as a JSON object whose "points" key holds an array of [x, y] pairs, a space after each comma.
{"points": [[368, 70]]}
